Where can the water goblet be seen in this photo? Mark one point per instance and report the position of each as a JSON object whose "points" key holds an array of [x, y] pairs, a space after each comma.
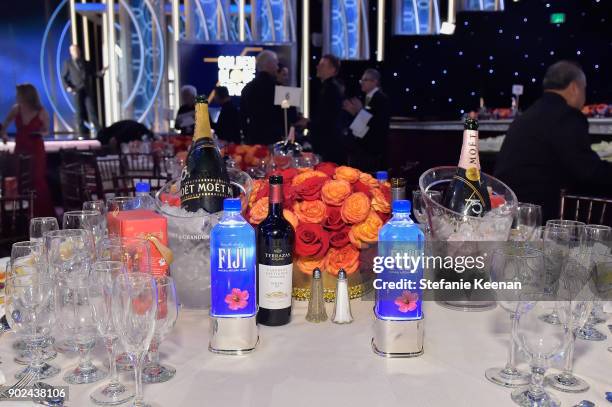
{"points": [[514, 264], [89, 220], [133, 252], [76, 316], [29, 310], [167, 313], [134, 308], [541, 342], [556, 246], [100, 290], [528, 217], [40, 226]]}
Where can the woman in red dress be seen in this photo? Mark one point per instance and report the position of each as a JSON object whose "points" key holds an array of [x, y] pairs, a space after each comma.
{"points": [[32, 122]]}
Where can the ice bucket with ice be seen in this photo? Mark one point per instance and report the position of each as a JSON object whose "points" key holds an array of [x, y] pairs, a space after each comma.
{"points": [[189, 239], [454, 234]]}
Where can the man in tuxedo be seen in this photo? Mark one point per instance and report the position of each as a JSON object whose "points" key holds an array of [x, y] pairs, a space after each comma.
{"points": [[227, 126], [370, 124], [262, 121], [547, 148], [78, 76], [326, 123]]}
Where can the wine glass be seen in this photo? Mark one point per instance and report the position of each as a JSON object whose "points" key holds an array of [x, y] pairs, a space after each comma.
{"points": [[133, 252], [121, 203], [69, 251], [528, 217], [167, 313], [541, 342], [40, 226], [576, 287], [100, 290], [134, 307], [597, 242], [88, 220], [27, 258], [75, 316], [29, 310], [526, 266], [99, 206]]}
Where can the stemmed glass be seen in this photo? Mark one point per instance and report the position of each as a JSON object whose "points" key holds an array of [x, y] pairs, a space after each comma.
{"points": [[514, 264], [100, 296], [134, 307], [418, 205], [40, 226], [121, 203], [528, 218], [133, 252], [577, 285], [27, 258], [29, 310], [76, 316], [99, 206], [541, 342], [597, 242], [167, 313], [88, 220]]}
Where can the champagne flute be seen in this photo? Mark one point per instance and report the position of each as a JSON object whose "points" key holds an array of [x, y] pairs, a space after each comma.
{"points": [[75, 316], [167, 314], [29, 306], [528, 217], [577, 286], [134, 307], [541, 342], [40, 226], [100, 294], [514, 264]]}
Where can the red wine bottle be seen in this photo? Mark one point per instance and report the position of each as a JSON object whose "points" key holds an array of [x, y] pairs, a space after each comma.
{"points": [[467, 192], [275, 242], [204, 180]]}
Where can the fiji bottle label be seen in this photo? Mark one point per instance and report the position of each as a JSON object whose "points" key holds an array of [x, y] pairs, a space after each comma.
{"points": [[233, 281], [398, 293]]}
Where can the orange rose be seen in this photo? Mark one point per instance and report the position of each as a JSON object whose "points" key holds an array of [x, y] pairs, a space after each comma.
{"points": [[307, 264], [258, 186], [379, 201], [346, 258], [259, 211], [355, 208], [356, 242], [347, 173], [367, 231], [309, 173], [291, 218], [368, 180], [310, 211], [334, 192]]}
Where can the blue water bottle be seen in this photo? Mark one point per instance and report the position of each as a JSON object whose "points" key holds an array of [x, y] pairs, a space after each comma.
{"points": [[398, 296]]}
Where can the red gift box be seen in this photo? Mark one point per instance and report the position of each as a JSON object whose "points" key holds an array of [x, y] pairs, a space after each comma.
{"points": [[144, 224]]}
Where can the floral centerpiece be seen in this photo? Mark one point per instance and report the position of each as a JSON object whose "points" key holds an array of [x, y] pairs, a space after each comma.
{"points": [[336, 212], [246, 156]]}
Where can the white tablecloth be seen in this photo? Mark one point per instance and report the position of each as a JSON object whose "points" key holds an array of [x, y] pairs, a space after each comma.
{"points": [[305, 364], [52, 146]]}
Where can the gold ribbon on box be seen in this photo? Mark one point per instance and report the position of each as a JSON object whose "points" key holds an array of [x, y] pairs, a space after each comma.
{"points": [[164, 250]]}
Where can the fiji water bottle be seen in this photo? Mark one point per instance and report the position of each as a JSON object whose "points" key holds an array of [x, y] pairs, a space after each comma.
{"points": [[400, 248], [143, 199], [232, 264]]}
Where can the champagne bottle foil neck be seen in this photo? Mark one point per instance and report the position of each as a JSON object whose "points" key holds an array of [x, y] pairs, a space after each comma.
{"points": [[202, 122], [470, 152]]}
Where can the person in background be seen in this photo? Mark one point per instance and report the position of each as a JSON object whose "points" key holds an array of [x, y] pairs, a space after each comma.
{"points": [[326, 123], [370, 124], [185, 117], [227, 126], [122, 132], [547, 148], [282, 75], [262, 121], [32, 123], [78, 76]]}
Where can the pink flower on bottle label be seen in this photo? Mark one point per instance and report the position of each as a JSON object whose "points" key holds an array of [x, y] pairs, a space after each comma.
{"points": [[237, 299], [407, 301]]}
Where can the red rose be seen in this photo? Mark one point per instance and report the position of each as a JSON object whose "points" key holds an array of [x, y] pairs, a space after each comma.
{"points": [[340, 238], [231, 149], [327, 167], [311, 240], [333, 220], [310, 189], [260, 151], [263, 192], [359, 186], [288, 196]]}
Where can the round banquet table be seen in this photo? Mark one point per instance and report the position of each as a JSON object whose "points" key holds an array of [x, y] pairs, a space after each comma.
{"points": [[305, 364]]}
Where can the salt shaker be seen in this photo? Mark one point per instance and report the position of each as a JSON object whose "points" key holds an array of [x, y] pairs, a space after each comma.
{"points": [[316, 304], [342, 306]]}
